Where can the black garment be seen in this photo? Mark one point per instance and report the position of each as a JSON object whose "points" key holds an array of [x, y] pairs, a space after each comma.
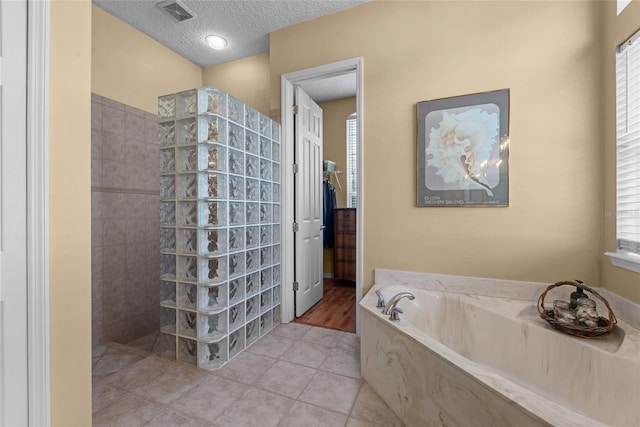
{"points": [[329, 203]]}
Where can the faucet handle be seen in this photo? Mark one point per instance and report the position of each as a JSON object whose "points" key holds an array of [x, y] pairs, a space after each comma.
{"points": [[393, 314], [381, 303]]}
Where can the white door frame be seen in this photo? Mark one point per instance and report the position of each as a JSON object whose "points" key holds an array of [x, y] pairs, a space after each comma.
{"points": [[38, 212], [289, 81]]}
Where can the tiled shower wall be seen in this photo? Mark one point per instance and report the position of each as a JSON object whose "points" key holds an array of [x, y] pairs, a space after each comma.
{"points": [[125, 221]]}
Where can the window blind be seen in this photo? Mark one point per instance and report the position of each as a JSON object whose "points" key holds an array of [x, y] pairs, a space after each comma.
{"points": [[628, 145], [352, 162]]}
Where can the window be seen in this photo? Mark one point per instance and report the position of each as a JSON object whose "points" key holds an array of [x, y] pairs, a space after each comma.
{"points": [[628, 155], [352, 161]]}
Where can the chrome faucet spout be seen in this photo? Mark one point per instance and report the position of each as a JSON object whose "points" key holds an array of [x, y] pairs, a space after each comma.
{"points": [[391, 305]]}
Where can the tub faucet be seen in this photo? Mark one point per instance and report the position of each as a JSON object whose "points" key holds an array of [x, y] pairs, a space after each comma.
{"points": [[391, 308], [380, 303]]}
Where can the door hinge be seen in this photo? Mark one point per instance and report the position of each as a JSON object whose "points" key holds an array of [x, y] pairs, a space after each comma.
{"points": [[294, 109], [296, 168], [295, 227], [295, 286]]}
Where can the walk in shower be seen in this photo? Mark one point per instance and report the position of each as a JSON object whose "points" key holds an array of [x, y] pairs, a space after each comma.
{"points": [[219, 226]]}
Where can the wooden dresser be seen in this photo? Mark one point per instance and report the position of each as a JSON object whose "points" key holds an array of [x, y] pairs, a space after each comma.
{"points": [[344, 251]]}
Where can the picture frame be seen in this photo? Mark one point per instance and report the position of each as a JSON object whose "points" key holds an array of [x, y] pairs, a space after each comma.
{"points": [[463, 150]]}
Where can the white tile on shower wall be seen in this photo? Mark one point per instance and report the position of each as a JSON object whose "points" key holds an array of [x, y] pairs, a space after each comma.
{"points": [[114, 309], [113, 104], [96, 142], [135, 206], [151, 116], [135, 177], [97, 236], [134, 111], [113, 205], [96, 98], [96, 262], [112, 119], [115, 231], [96, 115], [151, 162], [125, 220], [113, 174], [151, 131], [114, 264], [135, 301], [134, 127], [96, 204], [152, 262], [135, 277], [97, 291], [113, 146], [136, 152], [96, 172], [136, 228]]}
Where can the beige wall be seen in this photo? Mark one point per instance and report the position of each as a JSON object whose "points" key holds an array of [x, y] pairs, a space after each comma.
{"points": [[70, 212], [617, 30], [134, 69], [548, 54], [247, 79], [334, 117]]}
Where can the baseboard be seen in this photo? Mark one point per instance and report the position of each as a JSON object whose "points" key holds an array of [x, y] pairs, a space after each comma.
{"points": [[327, 275]]}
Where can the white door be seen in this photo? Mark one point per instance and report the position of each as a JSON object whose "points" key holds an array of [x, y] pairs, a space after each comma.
{"points": [[308, 203], [13, 214]]}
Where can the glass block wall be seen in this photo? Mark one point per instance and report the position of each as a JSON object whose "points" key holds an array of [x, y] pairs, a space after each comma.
{"points": [[220, 226]]}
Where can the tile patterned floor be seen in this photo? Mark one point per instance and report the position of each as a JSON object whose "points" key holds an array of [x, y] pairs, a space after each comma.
{"points": [[298, 375]]}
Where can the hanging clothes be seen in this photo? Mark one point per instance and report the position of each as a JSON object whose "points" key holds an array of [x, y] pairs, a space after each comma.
{"points": [[329, 203]]}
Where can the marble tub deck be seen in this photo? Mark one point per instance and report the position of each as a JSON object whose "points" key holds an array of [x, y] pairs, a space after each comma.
{"points": [[492, 394], [297, 375]]}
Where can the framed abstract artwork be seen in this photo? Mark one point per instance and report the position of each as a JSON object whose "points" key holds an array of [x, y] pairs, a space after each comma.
{"points": [[463, 150]]}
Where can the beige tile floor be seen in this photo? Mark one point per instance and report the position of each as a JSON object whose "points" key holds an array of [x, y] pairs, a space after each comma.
{"points": [[297, 375]]}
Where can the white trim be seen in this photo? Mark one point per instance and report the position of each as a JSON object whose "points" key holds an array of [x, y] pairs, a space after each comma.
{"points": [[327, 275], [621, 5], [288, 82], [287, 206], [625, 260], [38, 212]]}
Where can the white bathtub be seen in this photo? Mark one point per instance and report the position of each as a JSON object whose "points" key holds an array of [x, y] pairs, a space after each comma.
{"points": [[457, 357]]}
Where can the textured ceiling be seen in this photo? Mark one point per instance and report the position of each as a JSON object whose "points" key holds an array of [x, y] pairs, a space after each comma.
{"points": [[245, 24], [331, 88]]}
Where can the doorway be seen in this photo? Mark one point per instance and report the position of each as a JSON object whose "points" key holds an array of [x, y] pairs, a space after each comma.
{"points": [[289, 82]]}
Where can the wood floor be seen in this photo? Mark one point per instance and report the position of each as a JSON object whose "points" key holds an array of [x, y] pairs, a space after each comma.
{"points": [[336, 310]]}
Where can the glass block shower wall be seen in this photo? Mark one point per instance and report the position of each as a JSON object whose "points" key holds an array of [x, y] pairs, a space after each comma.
{"points": [[220, 226]]}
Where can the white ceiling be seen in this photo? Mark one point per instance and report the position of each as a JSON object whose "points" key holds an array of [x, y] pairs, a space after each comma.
{"points": [[245, 24], [331, 88]]}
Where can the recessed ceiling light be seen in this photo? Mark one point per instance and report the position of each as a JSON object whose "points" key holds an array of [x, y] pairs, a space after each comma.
{"points": [[216, 42]]}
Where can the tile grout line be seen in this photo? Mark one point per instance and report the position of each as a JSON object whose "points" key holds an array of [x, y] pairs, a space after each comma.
{"points": [[336, 347]]}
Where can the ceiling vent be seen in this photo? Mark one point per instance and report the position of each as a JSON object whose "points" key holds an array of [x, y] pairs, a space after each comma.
{"points": [[177, 10]]}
